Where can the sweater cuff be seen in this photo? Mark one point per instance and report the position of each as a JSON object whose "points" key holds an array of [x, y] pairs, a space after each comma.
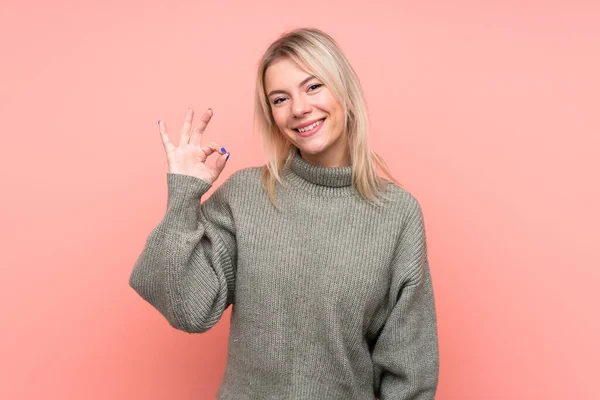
{"points": [[184, 193]]}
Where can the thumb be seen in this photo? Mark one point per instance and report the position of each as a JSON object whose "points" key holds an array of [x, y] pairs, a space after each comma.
{"points": [[221, 161]]}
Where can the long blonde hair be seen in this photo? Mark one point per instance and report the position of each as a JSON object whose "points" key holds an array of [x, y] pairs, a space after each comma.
{"points": [[317, 52]]}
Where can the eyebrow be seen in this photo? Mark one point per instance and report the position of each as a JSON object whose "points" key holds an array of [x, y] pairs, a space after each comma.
{"points": [[272, 92]]}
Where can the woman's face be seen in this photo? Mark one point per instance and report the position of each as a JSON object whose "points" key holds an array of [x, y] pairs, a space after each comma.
{"points": [[307, 114]]}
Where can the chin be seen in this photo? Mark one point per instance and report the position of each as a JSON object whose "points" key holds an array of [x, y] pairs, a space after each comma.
{"points": [[312, 145], [312, 150]]}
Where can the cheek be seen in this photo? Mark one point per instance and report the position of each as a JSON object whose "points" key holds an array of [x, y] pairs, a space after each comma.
{"points": [[338, 110], [279, 117], [337, 114], [329, 103]]}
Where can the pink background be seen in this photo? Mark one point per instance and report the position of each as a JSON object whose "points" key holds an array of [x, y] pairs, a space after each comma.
{"points": [[488, 112]]}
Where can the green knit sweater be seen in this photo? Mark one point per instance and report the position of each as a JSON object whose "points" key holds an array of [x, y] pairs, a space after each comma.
{"points": [[331, 296]]}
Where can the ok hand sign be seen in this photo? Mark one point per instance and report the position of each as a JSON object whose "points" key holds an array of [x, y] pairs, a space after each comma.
{"points": [[189, 157]]}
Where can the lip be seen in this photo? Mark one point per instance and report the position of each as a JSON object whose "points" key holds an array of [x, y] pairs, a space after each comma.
{"points": [[307, 123], [312, 131]]}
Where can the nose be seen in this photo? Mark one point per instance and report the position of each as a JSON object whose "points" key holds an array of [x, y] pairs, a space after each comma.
{"points": [[301, 107]]}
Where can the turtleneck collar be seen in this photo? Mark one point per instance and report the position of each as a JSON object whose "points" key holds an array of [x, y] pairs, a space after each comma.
{"points": [[319, 179]]}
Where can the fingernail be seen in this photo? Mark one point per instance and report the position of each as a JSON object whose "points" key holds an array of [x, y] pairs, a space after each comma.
{"points": [[227, 158], [223, 150]]}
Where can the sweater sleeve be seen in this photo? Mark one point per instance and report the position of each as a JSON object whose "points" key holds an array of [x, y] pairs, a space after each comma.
{"points": [[405, 354], [187, 267]]}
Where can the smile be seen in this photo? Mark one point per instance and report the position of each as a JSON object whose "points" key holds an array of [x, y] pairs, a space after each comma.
{"points": [[310, 129]]}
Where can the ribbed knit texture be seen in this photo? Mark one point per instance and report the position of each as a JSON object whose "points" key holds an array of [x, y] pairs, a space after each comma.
{"points": [[332, 297]]}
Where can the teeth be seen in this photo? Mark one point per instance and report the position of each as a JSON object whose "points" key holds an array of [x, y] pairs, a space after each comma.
{"points": [[311, 126]]}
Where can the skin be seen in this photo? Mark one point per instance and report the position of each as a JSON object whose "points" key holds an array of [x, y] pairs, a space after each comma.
{"points": [[189, 156], [296, 98]]}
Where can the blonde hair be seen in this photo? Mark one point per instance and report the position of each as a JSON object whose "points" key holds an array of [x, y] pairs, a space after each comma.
{"points": [[317, 52]]}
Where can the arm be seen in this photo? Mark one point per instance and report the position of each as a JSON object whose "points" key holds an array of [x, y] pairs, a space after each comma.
{"points": [[187, 267], [405, 354]]}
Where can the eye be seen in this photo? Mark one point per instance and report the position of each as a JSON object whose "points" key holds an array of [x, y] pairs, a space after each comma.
{"points": [[315, 86], [276, 101]]}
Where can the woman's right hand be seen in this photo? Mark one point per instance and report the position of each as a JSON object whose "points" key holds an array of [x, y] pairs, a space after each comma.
{"points": [[189, 158]]}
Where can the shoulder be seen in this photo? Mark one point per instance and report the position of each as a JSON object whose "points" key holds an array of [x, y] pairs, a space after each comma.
{"points": [[403, 201], [242, 181], [245, 174], [243, 178]]}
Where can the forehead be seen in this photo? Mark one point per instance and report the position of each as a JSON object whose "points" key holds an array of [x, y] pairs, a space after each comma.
{"points": [[283, 73]]}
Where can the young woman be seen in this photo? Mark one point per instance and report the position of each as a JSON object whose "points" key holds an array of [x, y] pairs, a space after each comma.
{"points": [[323, 261]]}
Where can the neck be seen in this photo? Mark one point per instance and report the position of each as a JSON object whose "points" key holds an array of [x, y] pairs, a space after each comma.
{"points": [[319, 179], [330, 158]]}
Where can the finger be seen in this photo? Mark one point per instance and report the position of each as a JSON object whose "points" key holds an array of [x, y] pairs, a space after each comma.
{"points": [[185, 129], [212, 147], [199, 130], [162, 129], [168, 146], [221, 162]]}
